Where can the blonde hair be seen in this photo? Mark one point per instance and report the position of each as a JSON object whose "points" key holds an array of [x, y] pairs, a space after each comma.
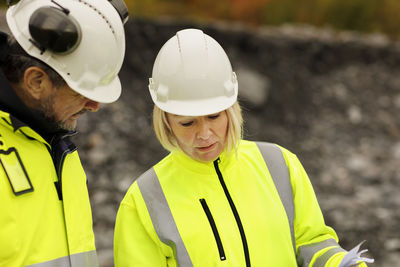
{"points": [[167, 139]]}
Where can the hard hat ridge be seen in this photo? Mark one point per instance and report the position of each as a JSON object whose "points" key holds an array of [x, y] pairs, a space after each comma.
{"points": [[192, 76]]}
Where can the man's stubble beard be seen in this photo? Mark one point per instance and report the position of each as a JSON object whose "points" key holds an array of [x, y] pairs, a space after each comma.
{"points": [[47, 109]]}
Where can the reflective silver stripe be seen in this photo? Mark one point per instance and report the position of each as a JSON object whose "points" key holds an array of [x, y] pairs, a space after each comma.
{"points": [[161, 216], [278, 169], [84, 259], [307, 252], [321, 261]]}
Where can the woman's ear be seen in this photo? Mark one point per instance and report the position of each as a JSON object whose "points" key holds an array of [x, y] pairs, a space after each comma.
{"points": [[36, 82]]}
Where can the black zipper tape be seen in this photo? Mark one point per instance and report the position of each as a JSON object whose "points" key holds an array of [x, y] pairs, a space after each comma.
{"points": [[214, 229], [235, 213]]}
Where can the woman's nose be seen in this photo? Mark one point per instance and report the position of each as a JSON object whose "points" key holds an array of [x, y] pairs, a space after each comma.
{"points": [[204, 131]]}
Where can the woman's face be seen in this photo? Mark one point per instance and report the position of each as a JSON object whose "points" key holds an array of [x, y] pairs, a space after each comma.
{"points": [[201, 137]]}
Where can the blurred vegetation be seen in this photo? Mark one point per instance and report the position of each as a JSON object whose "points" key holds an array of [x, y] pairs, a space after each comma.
{"points": [[358, 15]]}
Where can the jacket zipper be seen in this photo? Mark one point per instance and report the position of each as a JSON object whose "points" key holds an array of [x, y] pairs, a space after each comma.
{"points": [[63, 147], [59, 150], [214, 229], [234, 211]]}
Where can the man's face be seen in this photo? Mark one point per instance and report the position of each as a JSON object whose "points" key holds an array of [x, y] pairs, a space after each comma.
{"points": [[63, 106]]}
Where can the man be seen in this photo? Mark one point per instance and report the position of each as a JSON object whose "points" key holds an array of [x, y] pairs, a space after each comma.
{"points": [[61, 60]]}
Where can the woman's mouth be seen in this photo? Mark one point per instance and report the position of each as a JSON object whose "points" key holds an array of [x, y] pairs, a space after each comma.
{"points": [[207, 148]]}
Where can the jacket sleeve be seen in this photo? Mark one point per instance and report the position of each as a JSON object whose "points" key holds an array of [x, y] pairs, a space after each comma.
{"points": [[135, 243], [316, 243]]}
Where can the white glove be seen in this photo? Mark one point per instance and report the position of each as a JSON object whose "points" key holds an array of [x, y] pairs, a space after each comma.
{"points": [[354, 256]]}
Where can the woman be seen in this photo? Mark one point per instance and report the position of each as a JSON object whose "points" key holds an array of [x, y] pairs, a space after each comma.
{"points": [[217, 200]]}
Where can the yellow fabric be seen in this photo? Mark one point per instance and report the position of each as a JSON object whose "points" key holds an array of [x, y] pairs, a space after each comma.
{"points": [[33, 226], [185, 181], [146, 249]]}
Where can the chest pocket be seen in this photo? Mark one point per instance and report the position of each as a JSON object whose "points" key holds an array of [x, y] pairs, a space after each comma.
{"points": [[15, 171]]}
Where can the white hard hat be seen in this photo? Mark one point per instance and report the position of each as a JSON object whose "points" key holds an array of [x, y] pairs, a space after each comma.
{"points": [[82, 40], [192, 76]]}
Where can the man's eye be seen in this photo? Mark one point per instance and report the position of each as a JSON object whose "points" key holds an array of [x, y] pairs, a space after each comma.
{"points": [[186, 124]]}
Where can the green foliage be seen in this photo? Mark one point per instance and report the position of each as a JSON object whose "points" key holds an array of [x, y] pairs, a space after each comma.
{"points": [[278, 12], [359, 15], [354, 14]]}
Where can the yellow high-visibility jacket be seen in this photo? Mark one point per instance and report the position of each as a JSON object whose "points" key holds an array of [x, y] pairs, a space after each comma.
{"points": [[45, 215], [225, 213]]}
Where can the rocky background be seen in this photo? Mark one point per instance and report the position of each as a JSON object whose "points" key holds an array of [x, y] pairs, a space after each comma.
{"points": [[333, 98]]}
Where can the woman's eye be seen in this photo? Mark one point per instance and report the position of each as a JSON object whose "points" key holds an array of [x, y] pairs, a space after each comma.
{"points": [[213, 117], [186, 124]]}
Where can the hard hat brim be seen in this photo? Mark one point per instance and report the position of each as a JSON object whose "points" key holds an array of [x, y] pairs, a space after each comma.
{"points": [[103, 94], [201, 107]]}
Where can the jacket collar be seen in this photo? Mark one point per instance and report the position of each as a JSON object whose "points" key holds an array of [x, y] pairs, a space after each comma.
{"points": [[225, 162]]}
